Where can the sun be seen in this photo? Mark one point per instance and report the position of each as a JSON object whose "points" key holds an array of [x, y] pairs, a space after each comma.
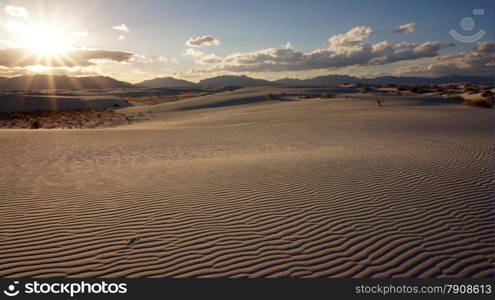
{"points": [[46, 40]]}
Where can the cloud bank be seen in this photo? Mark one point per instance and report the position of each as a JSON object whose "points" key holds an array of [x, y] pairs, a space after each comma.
{"points": [[479, 61], [21, 57], [344, 50]]}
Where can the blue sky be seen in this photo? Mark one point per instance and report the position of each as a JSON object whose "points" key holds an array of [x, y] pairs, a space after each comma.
{"points": [[161, 29]]}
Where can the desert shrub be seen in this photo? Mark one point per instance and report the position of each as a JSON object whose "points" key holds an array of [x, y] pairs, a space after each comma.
{"points": [[379, 102], [35, 124], [391, 85], [417, 89], [364, 90], [452, 95], [308, 96], [270, 96], [486, 94], [326, 96], [488, 103], [401, 88], [468, 88]]}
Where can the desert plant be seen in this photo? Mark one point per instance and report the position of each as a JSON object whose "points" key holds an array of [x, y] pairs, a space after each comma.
{"points": [[417, 89], [486, 94], [270, 96], [308, 96], [452, 95], [468, 88], [488, 103], [364, 90], [35, 124], [326, 96], [379, 102]]}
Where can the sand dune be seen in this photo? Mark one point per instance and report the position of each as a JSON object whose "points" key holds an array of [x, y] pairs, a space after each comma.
{"points": [[235, 184]]}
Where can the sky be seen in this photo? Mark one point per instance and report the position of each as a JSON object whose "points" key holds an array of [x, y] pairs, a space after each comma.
{"points": [[270, 39]]}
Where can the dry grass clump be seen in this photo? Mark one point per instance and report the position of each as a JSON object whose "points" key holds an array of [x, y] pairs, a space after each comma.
{"points": [[271, 96], [326, 96], [485, 103], [364, 90], [486, 94], [419, 89], [67, 119], [308, 96], [452, 95]]}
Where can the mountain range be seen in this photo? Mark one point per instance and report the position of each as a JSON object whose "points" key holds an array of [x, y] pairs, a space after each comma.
{"points": [[60, 82], [328, 80], [167, 82]]}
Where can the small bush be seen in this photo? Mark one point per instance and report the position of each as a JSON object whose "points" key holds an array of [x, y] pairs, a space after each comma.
{"points": [[308, 96], [326, 96], [418, 89], [468, 88], [486, 94], [452, 95], [480, 103], [270, 96], [364, 90]]}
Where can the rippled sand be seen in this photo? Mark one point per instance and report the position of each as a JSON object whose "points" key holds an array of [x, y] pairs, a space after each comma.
{"points": [[236, 185]]}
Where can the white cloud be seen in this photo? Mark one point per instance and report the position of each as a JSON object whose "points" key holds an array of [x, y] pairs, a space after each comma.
{"points": [[194, 52], [16, 11], [406, 28], [344, 50], [121, 37], [479, 61], [288, 45], [121, 27], [141, 58], [168, 60], [203, 41], [202, 57], [351, 40]]}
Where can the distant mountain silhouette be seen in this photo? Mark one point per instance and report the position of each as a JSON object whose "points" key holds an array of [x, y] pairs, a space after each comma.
{"points": [[233, 81], [341, 79], [332, 80], [167, 82], [60, 82]]}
